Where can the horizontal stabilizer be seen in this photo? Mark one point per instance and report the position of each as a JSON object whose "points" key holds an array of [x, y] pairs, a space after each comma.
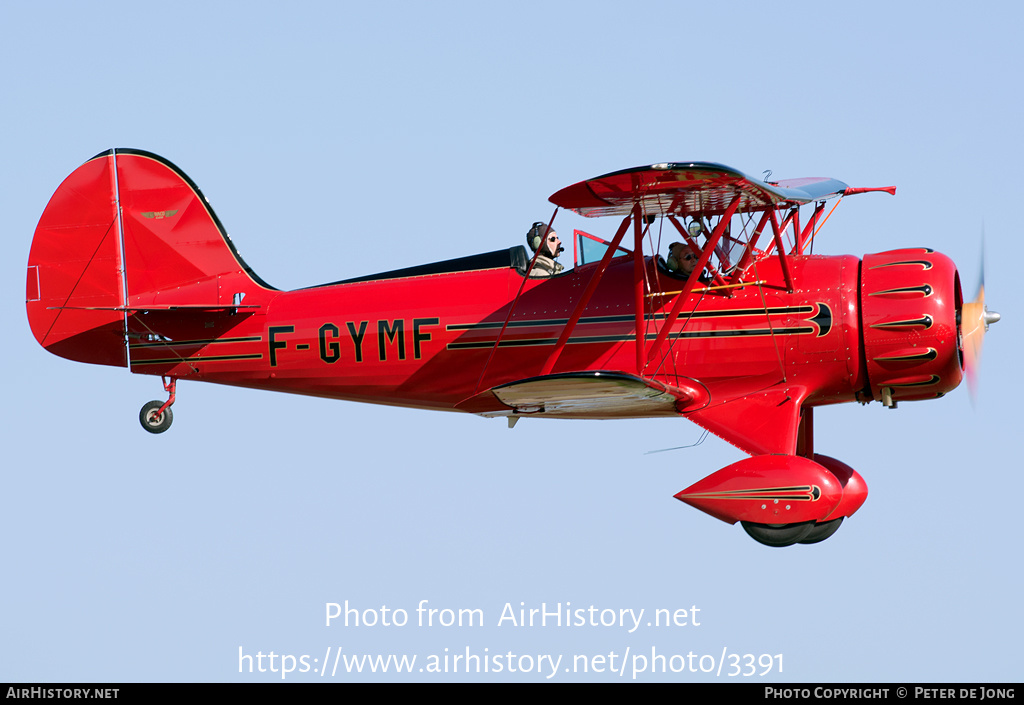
{"points": [[159, 307]]}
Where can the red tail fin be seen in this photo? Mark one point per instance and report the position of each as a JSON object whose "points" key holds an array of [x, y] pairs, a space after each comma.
{"points": [[127, 230], [74, 287]]}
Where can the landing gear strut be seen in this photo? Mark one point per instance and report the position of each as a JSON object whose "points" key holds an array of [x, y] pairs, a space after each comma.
{"points": [[156, 416]]}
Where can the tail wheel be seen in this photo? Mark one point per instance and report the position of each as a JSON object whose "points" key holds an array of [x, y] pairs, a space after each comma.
{"points": [[154, 421], [778, 535]]}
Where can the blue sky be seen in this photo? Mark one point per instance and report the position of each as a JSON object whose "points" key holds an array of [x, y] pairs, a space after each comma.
{"points": [[338, 139]]}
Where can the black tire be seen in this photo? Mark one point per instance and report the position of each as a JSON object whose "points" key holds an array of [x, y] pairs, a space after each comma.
{"points": [[778, 535], [822, 531], [153, 422]]}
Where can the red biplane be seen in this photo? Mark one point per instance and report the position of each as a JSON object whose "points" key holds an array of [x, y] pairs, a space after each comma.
{"points": [[131, 267]]}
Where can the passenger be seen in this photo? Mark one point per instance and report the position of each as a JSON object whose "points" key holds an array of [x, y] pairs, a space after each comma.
{"points": [[682, 260], [546, 240]]}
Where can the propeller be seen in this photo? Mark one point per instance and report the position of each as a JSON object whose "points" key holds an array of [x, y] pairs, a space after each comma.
{"points": [[975, 319]]}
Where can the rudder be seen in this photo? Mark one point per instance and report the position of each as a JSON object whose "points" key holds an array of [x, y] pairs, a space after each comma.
{"points": [[74, 288], [126, 231]]}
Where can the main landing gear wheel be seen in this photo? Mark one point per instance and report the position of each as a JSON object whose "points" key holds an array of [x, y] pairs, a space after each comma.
{"points": [[151, 418], [778, 535], [822, 531]]}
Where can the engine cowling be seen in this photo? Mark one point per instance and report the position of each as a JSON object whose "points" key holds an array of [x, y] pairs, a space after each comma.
{"points": [[910, 312]]}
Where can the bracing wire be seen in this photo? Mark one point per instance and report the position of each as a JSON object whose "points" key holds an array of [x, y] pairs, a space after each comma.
{"points": [[692, 445]]}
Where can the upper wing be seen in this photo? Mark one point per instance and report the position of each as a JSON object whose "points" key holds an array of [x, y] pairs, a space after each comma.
{"points": [[688, 189]]}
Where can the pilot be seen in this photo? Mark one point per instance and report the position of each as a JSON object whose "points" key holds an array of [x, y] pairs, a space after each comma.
{"points": [[541, 237]]}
